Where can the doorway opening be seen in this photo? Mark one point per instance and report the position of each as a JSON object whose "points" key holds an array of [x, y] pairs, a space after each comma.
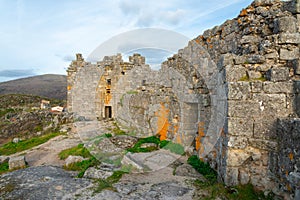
{"points": [[108, 112]]}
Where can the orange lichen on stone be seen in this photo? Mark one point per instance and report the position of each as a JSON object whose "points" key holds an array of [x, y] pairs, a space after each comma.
{"points": [[162, 122], [197, 41], [178, 139], [291, 156], [243, 13], [208, 40], [239, 21], [201, 134], [69, 87]]}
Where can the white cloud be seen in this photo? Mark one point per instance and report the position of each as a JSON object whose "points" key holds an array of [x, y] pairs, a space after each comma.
{"points": [[33, 33]]}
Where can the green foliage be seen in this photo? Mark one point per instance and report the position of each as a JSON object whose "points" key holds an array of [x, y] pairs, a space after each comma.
{"points": [[107, 183], [82, 166], [79, 150], [137, 147], [245, 192], [262, 78], [174, 148], [11, 148], [203, 168], [116, 130], [4, 167], [108, 135]]}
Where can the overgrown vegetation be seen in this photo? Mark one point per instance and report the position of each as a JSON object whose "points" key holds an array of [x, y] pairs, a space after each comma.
{"points": [[107, 183], [79, 150], [203, 168], [219, 190], [173, 147], [82, 166], [215, 189], [11, 148], [4, 167]]}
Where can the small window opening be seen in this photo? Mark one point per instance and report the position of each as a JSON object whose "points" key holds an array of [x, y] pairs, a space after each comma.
{"points": [[108, 81], [123, 73], [108, 91]]}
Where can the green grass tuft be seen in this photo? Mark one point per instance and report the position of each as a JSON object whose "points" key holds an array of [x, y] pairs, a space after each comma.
{"points": [[79, 150], [82, 166], [203, 168], [4, 167], [11, 148], [107, 183]]}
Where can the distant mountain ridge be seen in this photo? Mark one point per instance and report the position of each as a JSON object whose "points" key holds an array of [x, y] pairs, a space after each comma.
{"points": [[48, 85]]}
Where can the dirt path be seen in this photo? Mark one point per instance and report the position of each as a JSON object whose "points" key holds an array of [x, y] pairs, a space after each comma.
{"points": [[47, 153]]}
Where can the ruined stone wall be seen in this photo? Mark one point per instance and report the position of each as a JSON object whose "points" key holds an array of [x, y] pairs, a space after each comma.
{"points": [[258, 53]]}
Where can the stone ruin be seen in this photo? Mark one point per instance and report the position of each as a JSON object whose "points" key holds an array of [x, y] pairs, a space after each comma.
{"points": [[245, 72]]}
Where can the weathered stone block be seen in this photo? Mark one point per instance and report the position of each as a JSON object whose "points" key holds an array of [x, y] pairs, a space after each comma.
{"points": [[238, 90], [292, 54], [237, 142], [236, 157], [263, 144], [286, 24], [254, 74], [244, 176], [240, 60], [240, 127], [231, 176], [278, 74], [289, 38], [271, 105], [278, 87], [256, 59], [272, 55], [265, 129], [242, 109], [17, 162], [225, 59], [249, 39], [256, 86], [235, 72]]}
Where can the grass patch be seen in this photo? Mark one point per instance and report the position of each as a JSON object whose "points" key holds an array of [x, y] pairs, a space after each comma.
{"points": [[245, 192], [165, 144], [11, 148], [137, 147], [203, 168], [4, 167], [82, 166], [79, 150], [107, 183], [174, 148]]}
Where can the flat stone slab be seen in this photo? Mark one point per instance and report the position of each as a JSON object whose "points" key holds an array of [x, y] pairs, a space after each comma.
{"points": [[152, 161]]}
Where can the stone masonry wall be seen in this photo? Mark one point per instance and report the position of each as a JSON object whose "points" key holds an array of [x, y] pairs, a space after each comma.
{"points": [[258, 53]]}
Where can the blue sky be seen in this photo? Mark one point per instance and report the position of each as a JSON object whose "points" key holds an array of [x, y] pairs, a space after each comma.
{"points": [[42, 36]]}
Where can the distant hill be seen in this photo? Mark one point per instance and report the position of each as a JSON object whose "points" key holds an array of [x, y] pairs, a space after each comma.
{"points": [[49, 85]]}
